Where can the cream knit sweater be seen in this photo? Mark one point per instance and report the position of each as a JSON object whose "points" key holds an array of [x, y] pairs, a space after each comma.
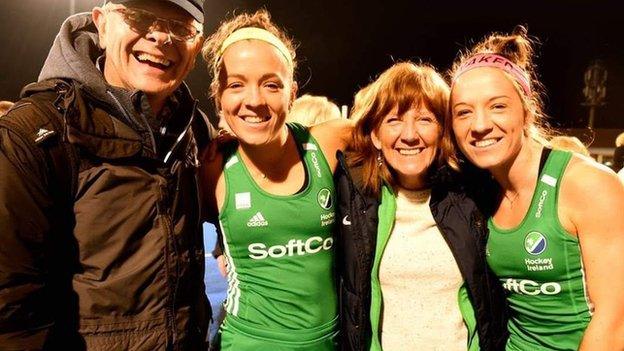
{"points": [[420, 282]]}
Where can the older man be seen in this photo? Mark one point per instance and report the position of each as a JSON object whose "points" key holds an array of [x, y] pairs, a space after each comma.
{"points": [[100, 237]]}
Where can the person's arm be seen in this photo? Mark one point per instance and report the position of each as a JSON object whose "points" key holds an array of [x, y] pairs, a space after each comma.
{"points": [[593, 198], [217, 253], [210, 176], [210, 170], [332, 136], [25, 299]]}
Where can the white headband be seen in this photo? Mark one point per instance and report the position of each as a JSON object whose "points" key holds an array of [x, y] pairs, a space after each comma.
{"points": [[258, 34]]}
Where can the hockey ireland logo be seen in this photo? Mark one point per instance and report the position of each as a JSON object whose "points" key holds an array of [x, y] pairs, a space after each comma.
{"points": [[324, 198], [535, 243]]}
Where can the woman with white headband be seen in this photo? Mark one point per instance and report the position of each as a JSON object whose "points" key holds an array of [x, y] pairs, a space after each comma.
{"points": [[274, 195], [556, 227]]}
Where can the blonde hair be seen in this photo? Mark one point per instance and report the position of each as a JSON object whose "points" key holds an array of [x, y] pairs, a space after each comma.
{"points": [[518, 48], [619, 140], [310, 110], [404, 86], [569, 143], [358, 100], [212, 46]]}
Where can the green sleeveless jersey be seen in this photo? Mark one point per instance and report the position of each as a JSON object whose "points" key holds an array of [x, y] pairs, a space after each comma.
{"points": [[280, 252], [540, 265]]}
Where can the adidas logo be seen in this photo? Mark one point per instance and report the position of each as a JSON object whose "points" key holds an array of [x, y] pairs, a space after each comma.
{"points": [[257, 221]]}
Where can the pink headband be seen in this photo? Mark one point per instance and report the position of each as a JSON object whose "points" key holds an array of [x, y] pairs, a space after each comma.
{"points": [[496, 61]]}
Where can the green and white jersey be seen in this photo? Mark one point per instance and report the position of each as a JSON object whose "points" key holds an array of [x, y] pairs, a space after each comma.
{"points": [[540, 265], [280, 252]]}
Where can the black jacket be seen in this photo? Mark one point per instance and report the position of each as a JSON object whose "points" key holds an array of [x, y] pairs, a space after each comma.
{"points": [[121, 267], [463, 228]]}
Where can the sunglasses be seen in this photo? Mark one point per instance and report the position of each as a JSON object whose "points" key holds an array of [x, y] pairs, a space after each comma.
{"points": [[144, 21]]}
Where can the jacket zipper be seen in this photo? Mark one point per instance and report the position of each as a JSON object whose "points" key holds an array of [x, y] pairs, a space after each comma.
{"points": [[176, 279], [170, 279], [182, 134]]}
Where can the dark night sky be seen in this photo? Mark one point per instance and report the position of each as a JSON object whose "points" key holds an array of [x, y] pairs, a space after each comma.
{"points": [[343, 44]]}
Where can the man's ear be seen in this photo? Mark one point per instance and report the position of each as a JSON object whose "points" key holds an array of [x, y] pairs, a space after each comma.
{"points": [[99, 19], [200, 41], [196, 50]]}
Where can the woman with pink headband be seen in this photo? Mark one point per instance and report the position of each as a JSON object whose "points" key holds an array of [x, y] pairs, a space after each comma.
{"points": [[273, 195], [556, 226]]}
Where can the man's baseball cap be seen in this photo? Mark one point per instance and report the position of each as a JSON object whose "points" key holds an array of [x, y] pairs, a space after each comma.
{"points": [[193, 7]]}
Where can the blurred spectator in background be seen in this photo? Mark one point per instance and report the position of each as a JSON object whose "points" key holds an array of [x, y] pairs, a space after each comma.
{"points": [[618, 154], [569, 143], [358, 101], [310, 110], [5, 106]]}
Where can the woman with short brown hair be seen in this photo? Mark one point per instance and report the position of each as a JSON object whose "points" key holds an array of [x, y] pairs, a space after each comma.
{"points": [[412, 259]]}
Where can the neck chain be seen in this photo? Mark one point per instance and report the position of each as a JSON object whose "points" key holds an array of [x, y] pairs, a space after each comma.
{"points": [[256, 171], [511, 198]]}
